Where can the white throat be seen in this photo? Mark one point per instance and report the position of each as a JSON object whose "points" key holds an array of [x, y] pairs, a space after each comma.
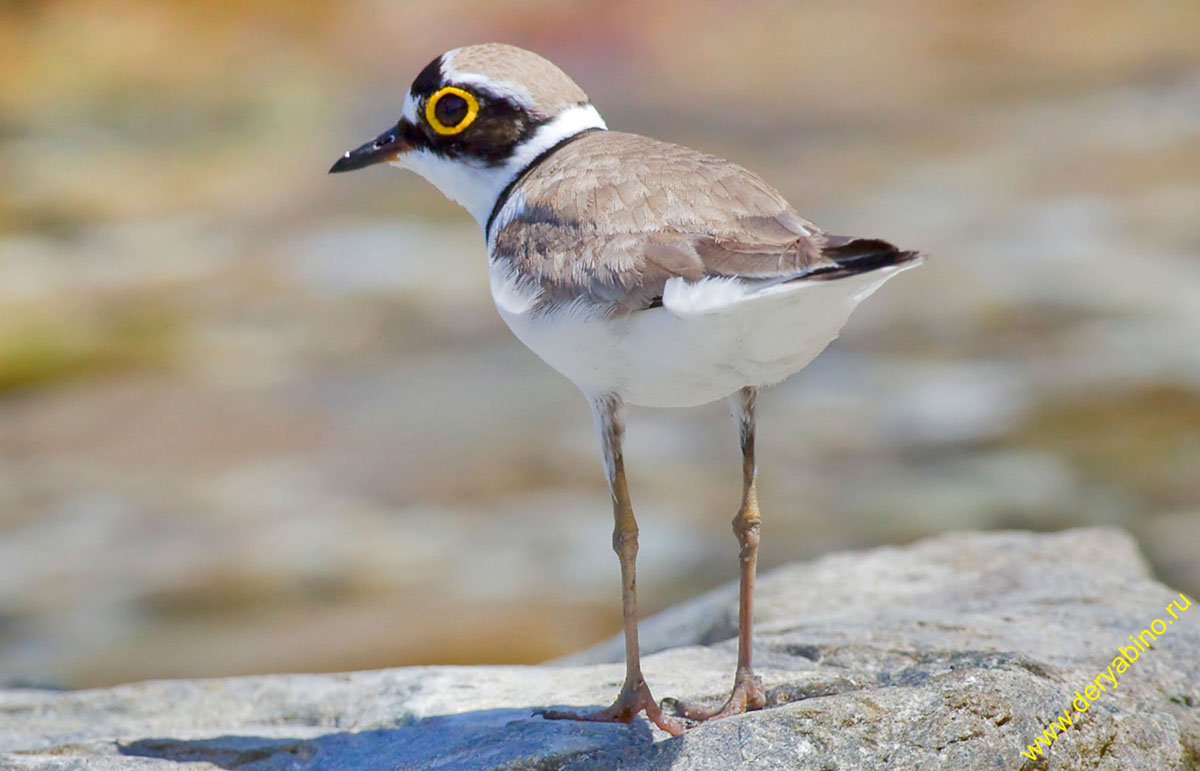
{"points": [[476, 186]]}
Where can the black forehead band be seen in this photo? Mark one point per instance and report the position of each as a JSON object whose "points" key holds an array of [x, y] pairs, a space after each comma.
{"points": [[429, 78]]}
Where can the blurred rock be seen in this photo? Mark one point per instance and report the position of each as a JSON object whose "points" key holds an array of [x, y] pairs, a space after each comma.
{"points": [[951, 653], [242, 400]]}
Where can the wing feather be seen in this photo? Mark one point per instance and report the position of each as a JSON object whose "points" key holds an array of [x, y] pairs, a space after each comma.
{"points": [[598, 228]]}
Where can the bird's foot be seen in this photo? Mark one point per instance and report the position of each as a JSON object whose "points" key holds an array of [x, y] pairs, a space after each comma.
{"points": [[631, 701], [748, 694]]}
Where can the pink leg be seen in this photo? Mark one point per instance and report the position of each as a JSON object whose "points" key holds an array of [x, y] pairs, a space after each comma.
{"points": [[635, 695], [748, 693]]}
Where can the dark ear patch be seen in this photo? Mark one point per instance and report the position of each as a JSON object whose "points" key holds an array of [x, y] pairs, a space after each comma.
{"points": [[500, 127], [492, 137], [429, 78]]}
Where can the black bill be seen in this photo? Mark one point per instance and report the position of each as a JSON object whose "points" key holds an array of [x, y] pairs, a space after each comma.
{"points": [[386, 147]]}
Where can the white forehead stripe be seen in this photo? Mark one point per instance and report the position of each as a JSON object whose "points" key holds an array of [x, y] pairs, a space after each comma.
{"points": [[501, 88], [512, 74], [409, 109]]}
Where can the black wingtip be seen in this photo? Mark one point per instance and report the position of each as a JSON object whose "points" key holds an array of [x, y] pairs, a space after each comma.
{"points": [[861, 255]]}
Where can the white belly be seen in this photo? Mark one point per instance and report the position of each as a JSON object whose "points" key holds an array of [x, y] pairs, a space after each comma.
{"points": [[709, 339]]}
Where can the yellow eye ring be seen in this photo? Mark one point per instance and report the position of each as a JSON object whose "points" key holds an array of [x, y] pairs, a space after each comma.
{"points": [[458, 128]]}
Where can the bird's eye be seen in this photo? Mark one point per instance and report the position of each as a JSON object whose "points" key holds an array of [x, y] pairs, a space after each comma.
{"points": [[450, 110]]}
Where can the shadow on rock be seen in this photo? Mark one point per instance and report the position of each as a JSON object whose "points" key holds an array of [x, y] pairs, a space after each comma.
{"points": [[509, 738]]}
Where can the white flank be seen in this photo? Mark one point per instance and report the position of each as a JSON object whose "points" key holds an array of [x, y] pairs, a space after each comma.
{"points": [[513, 296], [709, 339], [476, 186], [692, 298]]}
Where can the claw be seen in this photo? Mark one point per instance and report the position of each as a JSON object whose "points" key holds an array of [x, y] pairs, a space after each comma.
{"points": [[747, 695], [629, 703]]}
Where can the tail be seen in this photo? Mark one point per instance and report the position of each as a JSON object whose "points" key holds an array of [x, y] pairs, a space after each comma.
{"points": [[852, 256]]}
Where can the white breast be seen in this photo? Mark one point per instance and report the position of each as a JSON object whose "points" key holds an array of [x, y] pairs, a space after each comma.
{"points": [[710, 338]]}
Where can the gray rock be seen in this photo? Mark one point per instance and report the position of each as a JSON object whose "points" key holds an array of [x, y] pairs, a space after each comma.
{"points": [[951, 653]]}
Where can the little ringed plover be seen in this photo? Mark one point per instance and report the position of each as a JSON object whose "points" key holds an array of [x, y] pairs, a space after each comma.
{"points": [[646, 272]]}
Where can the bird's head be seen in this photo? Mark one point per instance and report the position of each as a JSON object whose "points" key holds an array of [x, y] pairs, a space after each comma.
{"points": [[476, 117]]}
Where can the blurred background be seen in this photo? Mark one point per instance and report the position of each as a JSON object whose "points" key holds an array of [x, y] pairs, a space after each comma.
{"points": [[255, 418]]}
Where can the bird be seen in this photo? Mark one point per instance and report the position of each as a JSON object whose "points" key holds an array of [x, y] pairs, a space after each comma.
{"points": [[646, 272]]}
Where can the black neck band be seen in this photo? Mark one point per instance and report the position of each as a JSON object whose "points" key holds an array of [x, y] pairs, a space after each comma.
{"points": [[537, 161]]}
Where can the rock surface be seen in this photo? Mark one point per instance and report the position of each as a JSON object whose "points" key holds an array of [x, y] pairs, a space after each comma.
{"points": [[950, 653]]}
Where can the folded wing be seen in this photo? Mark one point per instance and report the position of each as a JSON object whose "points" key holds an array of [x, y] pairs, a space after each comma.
{"points": [[612, 235]]}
